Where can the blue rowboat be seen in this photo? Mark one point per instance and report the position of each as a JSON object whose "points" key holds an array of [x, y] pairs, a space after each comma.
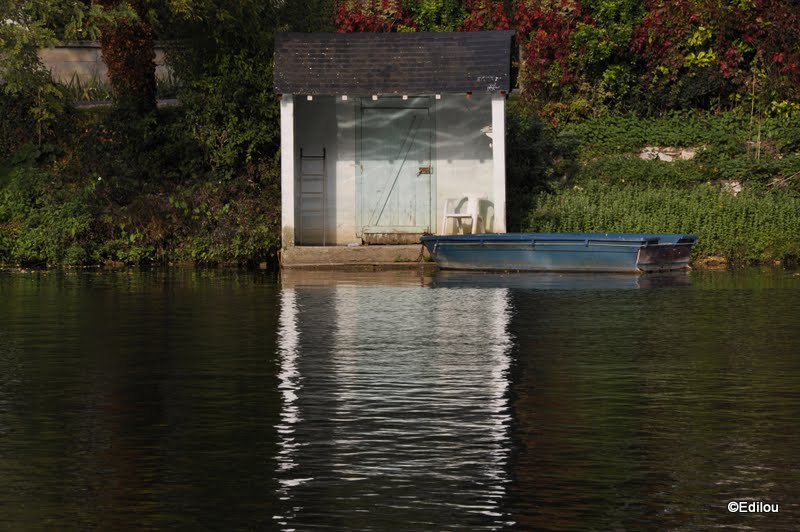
{"points": [[575, 252]]}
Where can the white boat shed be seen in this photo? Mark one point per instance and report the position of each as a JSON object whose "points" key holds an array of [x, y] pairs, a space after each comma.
{"points": [[387, 136]]}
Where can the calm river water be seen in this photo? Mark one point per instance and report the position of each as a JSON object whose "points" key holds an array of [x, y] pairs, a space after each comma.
{"points": [[234, 400]]}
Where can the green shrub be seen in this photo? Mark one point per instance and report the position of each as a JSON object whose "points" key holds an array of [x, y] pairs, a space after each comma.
{"points": [[631, 169], [618, 134], [132, 151], [17, 124], [728, 147], [134, 192], [537, 156], [44, 220], [234, 222], [752, 226]]}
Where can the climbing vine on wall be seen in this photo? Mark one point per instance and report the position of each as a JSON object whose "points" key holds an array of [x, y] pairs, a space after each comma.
{"points": [[127, 44]]}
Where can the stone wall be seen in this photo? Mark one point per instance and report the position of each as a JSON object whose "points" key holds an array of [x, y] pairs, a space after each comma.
{"points": [[83, 60]]}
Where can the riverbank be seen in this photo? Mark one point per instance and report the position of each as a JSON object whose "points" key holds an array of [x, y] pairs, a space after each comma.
{"points": [[107, 191], [730, 180], [752, 227]]}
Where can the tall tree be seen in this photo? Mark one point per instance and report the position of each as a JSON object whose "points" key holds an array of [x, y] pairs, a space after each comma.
{"points": [[30, 103]]}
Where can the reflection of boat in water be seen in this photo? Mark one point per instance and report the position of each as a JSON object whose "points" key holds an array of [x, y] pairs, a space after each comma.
{"points": [[557, 281], [474, 279], [579, 252]]}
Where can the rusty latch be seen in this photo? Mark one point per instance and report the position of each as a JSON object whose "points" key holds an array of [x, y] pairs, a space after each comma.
{"points": [[425, 170]]}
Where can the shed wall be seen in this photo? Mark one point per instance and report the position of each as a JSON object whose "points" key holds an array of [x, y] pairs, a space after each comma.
{"points": [[464, 162], [462, 155], [328, 123]]}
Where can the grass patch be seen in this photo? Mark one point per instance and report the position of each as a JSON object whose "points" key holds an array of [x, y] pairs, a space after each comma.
{"points": [[754, 226]]}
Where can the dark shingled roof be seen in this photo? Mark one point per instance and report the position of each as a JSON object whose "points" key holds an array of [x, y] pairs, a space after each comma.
{"points": [[392, 63]]}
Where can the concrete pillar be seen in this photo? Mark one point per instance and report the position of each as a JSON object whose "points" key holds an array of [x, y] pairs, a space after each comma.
{"points": [[287, 171], [499, 161]]}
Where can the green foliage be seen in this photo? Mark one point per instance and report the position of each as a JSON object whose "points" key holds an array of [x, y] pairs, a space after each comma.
{"points": [[616, 190], [30, 112], [629, 133], [160, 202], [44, 220], [633, 170], [119, 190], [203, 221], [437, 15], [122, 149], [308, 16], [17, 125], [225, 64], [755, 171], [602, 45], [233, 113], [27, 91], [727, 147], [235, 225], [752, 226], [87, 90], [23, 31], [198, 183], [536, 158]]}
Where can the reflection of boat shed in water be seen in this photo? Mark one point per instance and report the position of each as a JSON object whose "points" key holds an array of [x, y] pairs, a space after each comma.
{"points": [[388, 136]]}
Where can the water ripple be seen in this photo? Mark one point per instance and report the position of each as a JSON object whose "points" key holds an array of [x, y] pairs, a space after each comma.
{"points": [[401, 402], [221, 400]]}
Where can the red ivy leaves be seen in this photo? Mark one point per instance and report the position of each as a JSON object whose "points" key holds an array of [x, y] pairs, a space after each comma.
{"points": [[129, 53], [370, 16], [764, 34], [545, 29], [761, 33], [485, 15]]}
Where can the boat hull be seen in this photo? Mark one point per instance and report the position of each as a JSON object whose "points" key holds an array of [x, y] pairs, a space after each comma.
{"points": [[578, 252]]}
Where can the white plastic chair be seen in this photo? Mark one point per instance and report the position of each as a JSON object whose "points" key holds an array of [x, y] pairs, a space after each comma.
{"points": [[463, 209]]}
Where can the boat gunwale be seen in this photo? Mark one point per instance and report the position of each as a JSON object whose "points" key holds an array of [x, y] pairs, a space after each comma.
{"points": [[663, 252], [642, 239]]}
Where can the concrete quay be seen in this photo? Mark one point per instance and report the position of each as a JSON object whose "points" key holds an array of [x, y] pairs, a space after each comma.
{"points": [[356, 258]]}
